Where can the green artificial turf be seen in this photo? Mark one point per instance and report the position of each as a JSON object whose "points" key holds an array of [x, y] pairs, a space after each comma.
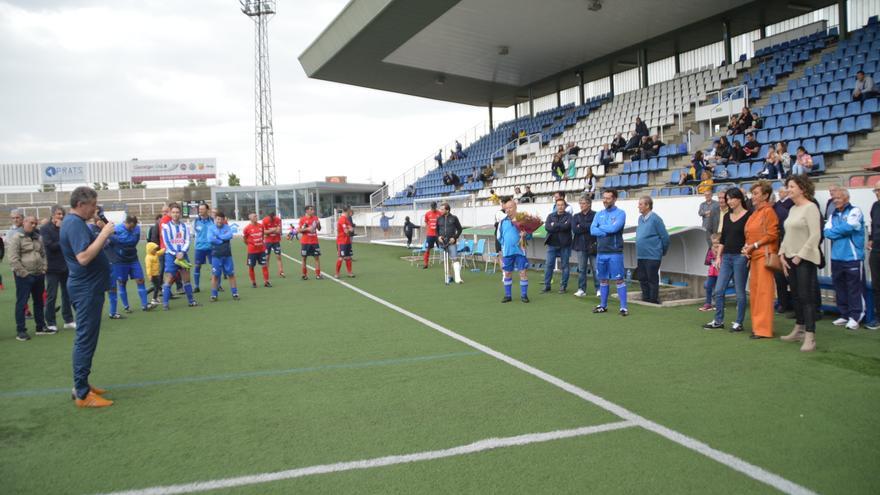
{"points": [[310, 373]]}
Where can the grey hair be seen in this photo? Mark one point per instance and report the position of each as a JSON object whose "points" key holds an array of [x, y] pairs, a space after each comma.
{"points": [[648, 201], [82, 194]]}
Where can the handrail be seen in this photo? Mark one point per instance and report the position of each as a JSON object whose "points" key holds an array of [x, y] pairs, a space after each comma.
{"points": [[721, 100]]}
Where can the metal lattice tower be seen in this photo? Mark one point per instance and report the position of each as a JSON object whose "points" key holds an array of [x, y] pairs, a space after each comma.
{"points": [[264, 157]]}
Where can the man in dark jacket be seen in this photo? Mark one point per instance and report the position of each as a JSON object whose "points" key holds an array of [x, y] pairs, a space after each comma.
{"points": [[448, 231], [558, 242], [641, 128], [584, 244], [874, 258], [56, 273]]}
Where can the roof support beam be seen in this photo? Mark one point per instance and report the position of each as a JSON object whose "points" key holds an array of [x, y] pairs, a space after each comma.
{"points": [[725, 37], [642, 56], [842, 22]]}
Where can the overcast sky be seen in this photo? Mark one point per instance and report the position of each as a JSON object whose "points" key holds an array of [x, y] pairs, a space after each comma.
{"points": [[112, 80]]}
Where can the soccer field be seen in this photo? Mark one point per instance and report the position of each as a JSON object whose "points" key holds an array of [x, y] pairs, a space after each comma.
{"points": [[393, 382]]}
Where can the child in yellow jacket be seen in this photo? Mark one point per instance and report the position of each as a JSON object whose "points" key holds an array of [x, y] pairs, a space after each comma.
{"points": [[153, 268]]}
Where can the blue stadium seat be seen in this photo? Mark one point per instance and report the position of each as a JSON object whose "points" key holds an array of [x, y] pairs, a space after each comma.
{"points": [[626, 167], [791, 107], [809, 145], [801, 132], [853, 108], [838, 111], [643, 179], [840, 143], [651, 165], [770, 123], [818, 164], [782, 120], [795, 118], [816, 129], [803, 104], [829, 128], [844, 96], [744, 171], [823, 113], [756, 167], [774, 136], [869, 106], [848, 124], [788, 133], [662, 164], [793, 145], [682, 149], [829, 99], [823, 145], [664, 191], [809, 116], [675, 177], [862, 123], [816, 102], [644, 164], [622, 195]]}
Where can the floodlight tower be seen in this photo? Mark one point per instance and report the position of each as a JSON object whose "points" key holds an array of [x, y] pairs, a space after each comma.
{"points": [[261, 11]]}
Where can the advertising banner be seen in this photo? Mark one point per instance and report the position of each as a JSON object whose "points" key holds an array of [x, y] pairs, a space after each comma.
{"points": [[60, 173], [196, 168]]}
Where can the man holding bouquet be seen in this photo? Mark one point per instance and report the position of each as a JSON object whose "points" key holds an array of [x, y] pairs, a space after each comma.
{"points": [[607, 227], [511, 235]]}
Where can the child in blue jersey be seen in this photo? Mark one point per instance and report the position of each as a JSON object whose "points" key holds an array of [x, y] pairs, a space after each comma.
{"points": [[124, 242], [201, 224], [513, 256], [607, 228], [219, 236], [177, 240], [110, 253]]}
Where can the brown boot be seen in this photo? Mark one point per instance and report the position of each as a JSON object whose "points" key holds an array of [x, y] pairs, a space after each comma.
{"points": [[809, 344], [796, 335]]}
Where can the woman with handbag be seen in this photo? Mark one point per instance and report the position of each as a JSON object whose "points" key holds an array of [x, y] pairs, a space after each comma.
{"points": [[800, 258], [761, 246]]}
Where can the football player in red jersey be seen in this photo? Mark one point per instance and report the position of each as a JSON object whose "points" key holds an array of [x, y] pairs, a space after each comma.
{"points": [[344, 232], [309, 226], [431, 230], [253, 235], [272, 228]]}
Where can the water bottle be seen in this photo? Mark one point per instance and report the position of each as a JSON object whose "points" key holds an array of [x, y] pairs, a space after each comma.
{"points": [[629, 274]]}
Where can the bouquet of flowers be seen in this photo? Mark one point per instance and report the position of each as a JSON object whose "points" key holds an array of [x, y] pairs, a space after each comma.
{"points": [[528, 223]]}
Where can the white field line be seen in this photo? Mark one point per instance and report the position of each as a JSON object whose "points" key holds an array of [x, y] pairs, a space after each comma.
{"points": [[755, 472], [471, 448]]}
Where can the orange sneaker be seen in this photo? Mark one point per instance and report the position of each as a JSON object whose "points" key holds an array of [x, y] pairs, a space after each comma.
{"points": [[92, 389], [93, 400]]}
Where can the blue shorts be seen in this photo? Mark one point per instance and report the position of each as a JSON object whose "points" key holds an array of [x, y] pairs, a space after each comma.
{"points": [[610, 266], [313, 250], [170, 267], [255, 259], [432, 241], [345, 250], [514, 263], [222, 265], [203, 256], [124, 271], [273, 247]]}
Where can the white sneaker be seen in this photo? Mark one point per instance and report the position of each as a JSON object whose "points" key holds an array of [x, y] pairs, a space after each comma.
{"points": [[852, 324], [598, 293], [52, 328], [70, 325], [840, 322], [580, 293]]}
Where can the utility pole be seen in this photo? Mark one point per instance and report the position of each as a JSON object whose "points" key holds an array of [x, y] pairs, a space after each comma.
{"points": [[264, 152]]}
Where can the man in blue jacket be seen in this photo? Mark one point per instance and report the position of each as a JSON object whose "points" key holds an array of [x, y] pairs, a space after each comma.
{"points": [[558, 242], [201, 224], [584, 244], [652, 242], [846, 229], [607, 227], [512, 255], [219, 236], [127, 265]]}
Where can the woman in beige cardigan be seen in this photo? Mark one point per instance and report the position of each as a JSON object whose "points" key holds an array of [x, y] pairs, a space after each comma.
{"points": [[800, 257]]}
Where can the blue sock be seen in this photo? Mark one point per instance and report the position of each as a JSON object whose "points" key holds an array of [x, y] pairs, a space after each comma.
{"points": [[142, 293], [603, 294], [523, 288], [188, 288], [621, 293], [123, 294], [508, 287], [113, 298], [166, 294], [197, 274], [213, 292], [235, 291]]}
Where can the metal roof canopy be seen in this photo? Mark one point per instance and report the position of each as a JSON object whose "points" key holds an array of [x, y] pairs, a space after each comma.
{"points": [[453, 50]]}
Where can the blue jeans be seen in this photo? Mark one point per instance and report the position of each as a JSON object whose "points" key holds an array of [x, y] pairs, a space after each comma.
{"points": [[584, 259], [733, 266], [88, 303], [711, 281], [30, 287], [563, 253]]}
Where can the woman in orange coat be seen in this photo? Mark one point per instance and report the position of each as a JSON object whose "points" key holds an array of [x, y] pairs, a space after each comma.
{"points": [[762, 238]]}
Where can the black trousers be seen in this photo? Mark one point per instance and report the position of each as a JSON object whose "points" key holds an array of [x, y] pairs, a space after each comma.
{"points": [[30, 287], [804, 282], [648, 272], [53, 282], [783, 295], [874, 263]]}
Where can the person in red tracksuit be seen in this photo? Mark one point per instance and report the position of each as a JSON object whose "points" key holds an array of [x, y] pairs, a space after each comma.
{"points": [[431, 230], [253, 235], [344, 231], [309, 225]]}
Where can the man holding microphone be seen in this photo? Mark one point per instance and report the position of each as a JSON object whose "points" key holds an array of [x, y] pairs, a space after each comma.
{"points": [[89, 276]]}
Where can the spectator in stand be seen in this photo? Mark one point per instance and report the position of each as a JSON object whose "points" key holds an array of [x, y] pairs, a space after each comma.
{"points": [[456, 180], [803, 164], [591, 183], [27, 258], [561, 195], [493, 197], [752, 147], [571, 157], [706, 183], [56, 271], [654, 148], [800, 257], [634, 141], [762, 241], [722, 153], [731, 124], [410, 191], [557, 168], [488, 173], [783, 159], [744, 120], [645, 148], [451, 156], [523, 137], [695, 170], [447, 179], [408, 228], [771, 168], [584, 244], [757, 121], [737, 153], [606, 156], [782, 207], [517, 193], [475, 174], [652, 243], [874, 257], [618, 144], [513, 135], [558, 242], [528, 196], [712, 275], [731, 263], [459, 154], [864, 87], [641, 129], [710, 212], [845, 228], [439, 158], [607, 227]]}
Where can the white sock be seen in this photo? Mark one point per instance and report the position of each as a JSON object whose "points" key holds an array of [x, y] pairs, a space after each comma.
{"points": [[456, 267]]}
